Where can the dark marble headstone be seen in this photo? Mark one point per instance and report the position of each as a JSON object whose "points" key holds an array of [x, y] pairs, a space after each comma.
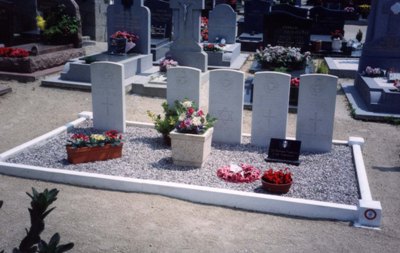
{"points": [[284, 29], [7, 20], [326, 20], [301, 12], [254, 12], [134, 19], [161, 18]]}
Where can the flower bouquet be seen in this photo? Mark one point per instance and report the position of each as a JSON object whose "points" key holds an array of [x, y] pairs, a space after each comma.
{"points": [[211, 47], [82, 148], [167, 63], [122, 42], [373, 72], [277, 181], [191, 138], [245, 173], [337, 35], [13, 52]]}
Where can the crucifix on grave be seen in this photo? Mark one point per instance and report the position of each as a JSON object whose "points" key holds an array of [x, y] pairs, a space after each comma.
{"points": [[186, 47]]}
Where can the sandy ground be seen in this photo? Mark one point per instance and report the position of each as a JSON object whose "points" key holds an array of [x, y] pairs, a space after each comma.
{"points": [[107, 221]]}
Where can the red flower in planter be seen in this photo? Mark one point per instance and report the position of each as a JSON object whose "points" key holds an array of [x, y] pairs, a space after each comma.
{"points": [[278, 176], [13, 52]]}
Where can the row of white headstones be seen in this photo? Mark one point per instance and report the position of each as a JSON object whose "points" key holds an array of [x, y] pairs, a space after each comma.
{"points": [[221, 93]]}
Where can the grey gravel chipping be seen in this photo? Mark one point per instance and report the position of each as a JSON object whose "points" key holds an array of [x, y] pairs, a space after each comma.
{"points": [[329, 177]]}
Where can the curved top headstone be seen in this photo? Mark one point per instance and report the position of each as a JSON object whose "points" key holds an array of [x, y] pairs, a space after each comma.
{"points": [[122, 16], [222, 24]]}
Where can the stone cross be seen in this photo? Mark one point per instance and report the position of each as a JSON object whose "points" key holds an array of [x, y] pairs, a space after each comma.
{"points": [[186, 38]]}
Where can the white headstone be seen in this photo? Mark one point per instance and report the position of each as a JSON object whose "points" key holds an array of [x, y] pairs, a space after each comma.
{"points": [[226, 104], [270, 107], [316, 112], [108, 96], [185, 83]]}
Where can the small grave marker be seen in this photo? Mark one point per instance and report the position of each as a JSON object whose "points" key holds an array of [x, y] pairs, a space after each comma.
{"points": [[284, 151]]}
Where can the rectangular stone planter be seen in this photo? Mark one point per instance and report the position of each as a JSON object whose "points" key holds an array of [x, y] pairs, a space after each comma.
{"points": [[92, 154], [191, 149]]}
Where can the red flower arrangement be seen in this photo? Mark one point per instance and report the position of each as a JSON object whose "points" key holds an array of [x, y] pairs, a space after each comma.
{"points": [[13, 52], [82, 140], [130, 37], [244, 174], [295, 82], [278, 176], [204, 29]]}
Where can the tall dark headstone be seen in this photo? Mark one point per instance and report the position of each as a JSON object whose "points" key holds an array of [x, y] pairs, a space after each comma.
{"points": [[133, 18], [290, 9], [326, 20], [161, 18], [254, 12], [7, 20], [284, 29]]}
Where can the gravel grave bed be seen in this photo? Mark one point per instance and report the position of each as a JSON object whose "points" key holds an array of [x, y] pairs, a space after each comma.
{"points": [[329, 177]]}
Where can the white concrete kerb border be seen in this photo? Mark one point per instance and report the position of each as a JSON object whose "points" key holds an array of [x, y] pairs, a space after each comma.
{"points": [[366, 214]]}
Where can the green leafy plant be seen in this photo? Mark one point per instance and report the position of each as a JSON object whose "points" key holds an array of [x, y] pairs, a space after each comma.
{"points": [[322, 68], [164, 123], [32, 242], [61, 26]]}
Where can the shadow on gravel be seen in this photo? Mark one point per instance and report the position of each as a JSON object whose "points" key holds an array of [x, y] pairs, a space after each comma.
{"points": [[167, 164]]}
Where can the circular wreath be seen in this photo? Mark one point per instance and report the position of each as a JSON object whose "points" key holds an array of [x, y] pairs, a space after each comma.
{"points": [[248, 174]]}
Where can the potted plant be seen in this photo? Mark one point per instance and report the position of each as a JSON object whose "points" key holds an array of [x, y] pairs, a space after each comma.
{"points": [[337, 37], [166, 123], [277, 181], [82, 148], [122, 42], [191, 138]]}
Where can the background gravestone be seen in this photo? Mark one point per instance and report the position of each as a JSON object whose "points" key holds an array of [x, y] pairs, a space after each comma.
{"points": [[270, 107], [382, 43], [316, 112], [254, 12], [134, 19], [208, 6], [226, 104], [108, 96], [186, 21], [222, 24], [326, 20], [301, 12], [161, 18], [7, 20], [284, 29]]}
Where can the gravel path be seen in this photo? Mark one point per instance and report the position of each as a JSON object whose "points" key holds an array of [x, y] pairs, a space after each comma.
{"points": [[326, 177]]}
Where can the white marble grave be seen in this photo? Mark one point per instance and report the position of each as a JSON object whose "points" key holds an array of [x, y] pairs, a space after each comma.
{"points": [[187, 83], [226, 104], [108, 96], [316, 112], [270, 107]]}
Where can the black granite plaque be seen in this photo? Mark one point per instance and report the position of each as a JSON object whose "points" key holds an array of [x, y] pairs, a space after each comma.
{"points": [[284, 151], [285, 29], [327, 21]]}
